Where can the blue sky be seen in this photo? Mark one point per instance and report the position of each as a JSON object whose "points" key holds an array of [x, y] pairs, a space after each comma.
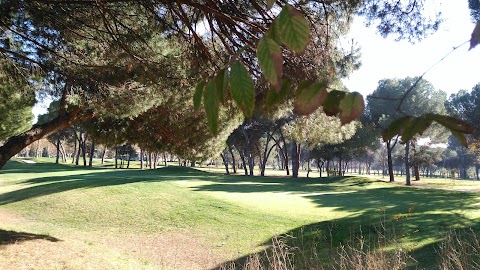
{"points": [[384, 58]]}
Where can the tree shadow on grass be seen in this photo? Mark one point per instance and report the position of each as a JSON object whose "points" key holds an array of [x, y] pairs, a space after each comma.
{"points": [[410, 215], [318, 245], [13, 237]]}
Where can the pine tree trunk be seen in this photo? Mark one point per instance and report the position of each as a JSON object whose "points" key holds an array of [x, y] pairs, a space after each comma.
{"points": [[234, 166], [58, 150], [407, 163], [390, 162], [103, 154], [417, 172], [141, 159], [116, 157], [92, 152], [225, 163]]}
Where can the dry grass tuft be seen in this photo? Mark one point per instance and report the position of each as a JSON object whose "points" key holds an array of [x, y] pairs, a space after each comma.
{"points": [[460, 250]]}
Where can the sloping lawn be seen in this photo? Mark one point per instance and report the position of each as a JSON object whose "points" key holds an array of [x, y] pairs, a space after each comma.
{"points": [[64, 217]]}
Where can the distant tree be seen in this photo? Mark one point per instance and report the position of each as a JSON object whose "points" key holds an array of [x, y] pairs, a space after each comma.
{"points": [[395, 98], [314, 130]]}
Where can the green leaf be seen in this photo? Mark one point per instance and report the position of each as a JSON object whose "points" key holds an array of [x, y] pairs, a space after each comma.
{"points": [[395, 128], [452, 123], [242, 88], [351, 107], [272, 33], [197, 96], [273, 97], [310, 98], [456, 126], [210, 102], [416, 125], [331, 106], [270, 59], [475, 40], [221, 85], [460, 137], [270, 4], [293, 29]]}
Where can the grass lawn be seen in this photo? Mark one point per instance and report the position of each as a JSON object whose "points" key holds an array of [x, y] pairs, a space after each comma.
{"points": [[66, 217]]}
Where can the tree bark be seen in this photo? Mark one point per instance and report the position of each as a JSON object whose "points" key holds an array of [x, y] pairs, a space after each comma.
{"points": [[58, 150], [103, 153], [242, 157], [225, 163], [234, 166], [389, 160], [92, 152], [116, 157], [407, 163], [285, 152], [295, 159], [248, 151], [141, 159]]}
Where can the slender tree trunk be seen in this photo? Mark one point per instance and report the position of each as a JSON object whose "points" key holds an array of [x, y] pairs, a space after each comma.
{"points": [[155, 157], [92, 152], [128, 161], [165, 159], [242, 157], [84, 150], [75, 140], [141, 159], [116, 157], [285, 151], [103, 153], [79, 150], [234, 167], [150, 165], [248, 151], [58, 150], [295, 159], [225, 163], [308, 166], [417, 172], [63, 153], [389, 160], [407, 163]]}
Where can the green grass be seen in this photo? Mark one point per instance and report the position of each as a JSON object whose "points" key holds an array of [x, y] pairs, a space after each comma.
{"points": [[232, 214]]}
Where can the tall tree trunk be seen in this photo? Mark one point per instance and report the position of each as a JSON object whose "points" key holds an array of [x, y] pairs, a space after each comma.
{"points": [[165, 159], [63, 153], [84, 150], [308, 166], [285, 152], [295, 159], [141, 159], [92, 152], [116, 157], [103, 154], [248, 151], [58, 150], [155, 157], [417, 172], [225, 163], [389, 160], [150, 165], [407, 162], [79, 150], [75, 140], [242, 157], [234, 166]]}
